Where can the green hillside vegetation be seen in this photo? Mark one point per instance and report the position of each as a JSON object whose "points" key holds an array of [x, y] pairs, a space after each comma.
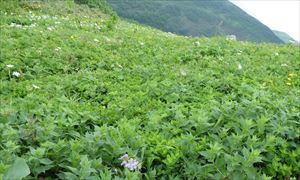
{"points": [[80, 88], [284, 37], [196, 18]]}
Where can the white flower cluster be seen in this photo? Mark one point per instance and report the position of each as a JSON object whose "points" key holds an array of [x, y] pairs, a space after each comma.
{"points": [[35, 86], [129, 163], [239, 52], [240, 67], [32, 16], [22, 26], [15, 25], [57, 49], [96, 26], [50, 28], [169, 34], [197, 43], [17, 74], [231, 37], [183, 72]]}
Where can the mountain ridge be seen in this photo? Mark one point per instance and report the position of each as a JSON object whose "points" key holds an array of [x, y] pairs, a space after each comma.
{"points": [[196, 18], [285, 37]]}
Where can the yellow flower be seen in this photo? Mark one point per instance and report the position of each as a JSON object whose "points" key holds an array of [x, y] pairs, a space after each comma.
{"points": [[292, 75], [289, 79], [72, 37], [288, 83]]}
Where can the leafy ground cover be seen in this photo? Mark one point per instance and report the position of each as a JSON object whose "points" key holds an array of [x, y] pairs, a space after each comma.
{"points": [[86, 96]]}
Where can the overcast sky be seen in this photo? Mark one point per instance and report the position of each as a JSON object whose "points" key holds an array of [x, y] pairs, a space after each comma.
{"points": [[282, 15]]}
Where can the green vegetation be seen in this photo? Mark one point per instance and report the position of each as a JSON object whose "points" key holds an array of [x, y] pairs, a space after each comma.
{"points": [[79, 89], [100, 4], [196, 18]]}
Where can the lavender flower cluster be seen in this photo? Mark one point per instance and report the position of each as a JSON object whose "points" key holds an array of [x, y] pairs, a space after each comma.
{"points": [[129, 163]]}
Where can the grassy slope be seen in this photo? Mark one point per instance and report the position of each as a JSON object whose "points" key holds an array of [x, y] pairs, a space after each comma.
{"points": [[180, 105], [196, 18]]}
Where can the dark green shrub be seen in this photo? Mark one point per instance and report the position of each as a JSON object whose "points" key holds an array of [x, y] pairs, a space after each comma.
{"points": [[101, 4]]}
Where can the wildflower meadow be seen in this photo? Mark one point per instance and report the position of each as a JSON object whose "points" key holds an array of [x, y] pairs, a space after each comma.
{"points": [[87, 95]]}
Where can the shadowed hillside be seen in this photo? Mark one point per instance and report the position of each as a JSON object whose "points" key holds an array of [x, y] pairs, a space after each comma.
{"points": [[195, 18], [284, 37]]}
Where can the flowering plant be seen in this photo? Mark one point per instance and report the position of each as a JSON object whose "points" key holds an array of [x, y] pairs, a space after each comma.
{"points": [[129, 163]]}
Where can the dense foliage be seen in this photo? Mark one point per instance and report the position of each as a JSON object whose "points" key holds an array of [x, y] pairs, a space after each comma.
{"points": [[77, 92], [195, 18], [100, 4]]}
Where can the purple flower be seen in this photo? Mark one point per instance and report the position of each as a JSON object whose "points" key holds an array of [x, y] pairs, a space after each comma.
{"points": [[124, 157], [129, 163], [132, 164], [123, 163]]}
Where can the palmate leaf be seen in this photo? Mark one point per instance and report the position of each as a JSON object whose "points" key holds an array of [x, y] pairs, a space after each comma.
{"points": [[251, 157], [17, 171]]}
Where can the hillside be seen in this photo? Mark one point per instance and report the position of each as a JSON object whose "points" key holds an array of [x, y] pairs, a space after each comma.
{"points": [[284, 37], [196, 18], [86, 95]]}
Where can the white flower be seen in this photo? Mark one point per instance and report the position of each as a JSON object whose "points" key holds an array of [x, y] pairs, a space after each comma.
{"points": [[183, 72], [57, 49], [120, 66], [107, 39], [197, 43], [33, 25], [284, 65], [231, 37], [9, 66], [124, 157], [239, 66], [276, 54], [50, 28], [96, 40], [45, 17], [17, 74], [15, 25], [35, 86], [142, 44]]}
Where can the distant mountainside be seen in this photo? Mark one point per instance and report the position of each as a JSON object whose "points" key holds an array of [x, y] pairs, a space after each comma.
{"points": [[195, 18], [284, 36]]}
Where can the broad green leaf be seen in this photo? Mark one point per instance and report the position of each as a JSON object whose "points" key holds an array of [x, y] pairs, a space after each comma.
{"points": [[45, 161], [17, 171]]}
